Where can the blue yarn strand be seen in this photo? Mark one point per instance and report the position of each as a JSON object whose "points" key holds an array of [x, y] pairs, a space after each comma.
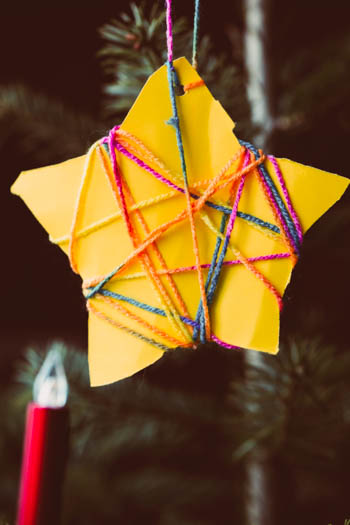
{"points": [[195, 33], [175, 122], [218, 267], [284, 211], [200, 312], [144, 306]]}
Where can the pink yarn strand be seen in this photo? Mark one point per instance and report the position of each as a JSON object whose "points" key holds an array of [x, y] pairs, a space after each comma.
{"points": [[238, 198], [169, 30], [271, 257], [223, 344]]}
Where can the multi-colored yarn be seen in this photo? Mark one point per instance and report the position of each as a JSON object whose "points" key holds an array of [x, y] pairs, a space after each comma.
{"points": [[247, 162]]}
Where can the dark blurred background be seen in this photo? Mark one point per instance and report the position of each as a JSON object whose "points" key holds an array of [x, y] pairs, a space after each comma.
{"points": [[61, 88]]}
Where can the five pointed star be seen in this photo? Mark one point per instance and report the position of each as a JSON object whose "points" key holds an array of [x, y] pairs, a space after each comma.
{"points": [[244, 312]]}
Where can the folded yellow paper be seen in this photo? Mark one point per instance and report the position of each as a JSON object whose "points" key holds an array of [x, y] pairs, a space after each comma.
{"points": [[126, 225]]}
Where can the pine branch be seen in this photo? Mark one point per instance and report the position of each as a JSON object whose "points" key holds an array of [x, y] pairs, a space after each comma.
{"points": [[295, 403], [314, 82], [146, 441], [41, 130], [135, 47], [146, 437]]}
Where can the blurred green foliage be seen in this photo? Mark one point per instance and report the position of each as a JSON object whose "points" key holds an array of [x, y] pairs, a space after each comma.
{"points": [[135, 46], [162, 433]]}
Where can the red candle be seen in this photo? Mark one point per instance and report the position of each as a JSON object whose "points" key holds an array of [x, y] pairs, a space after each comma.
{"points": [[45, 447]]}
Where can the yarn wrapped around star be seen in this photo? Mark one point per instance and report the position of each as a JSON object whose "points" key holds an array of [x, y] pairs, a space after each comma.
{"points": [[177, 248]]}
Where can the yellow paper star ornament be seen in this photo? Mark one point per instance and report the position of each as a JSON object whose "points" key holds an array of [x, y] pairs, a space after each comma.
{"points": [[168, 261]]}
